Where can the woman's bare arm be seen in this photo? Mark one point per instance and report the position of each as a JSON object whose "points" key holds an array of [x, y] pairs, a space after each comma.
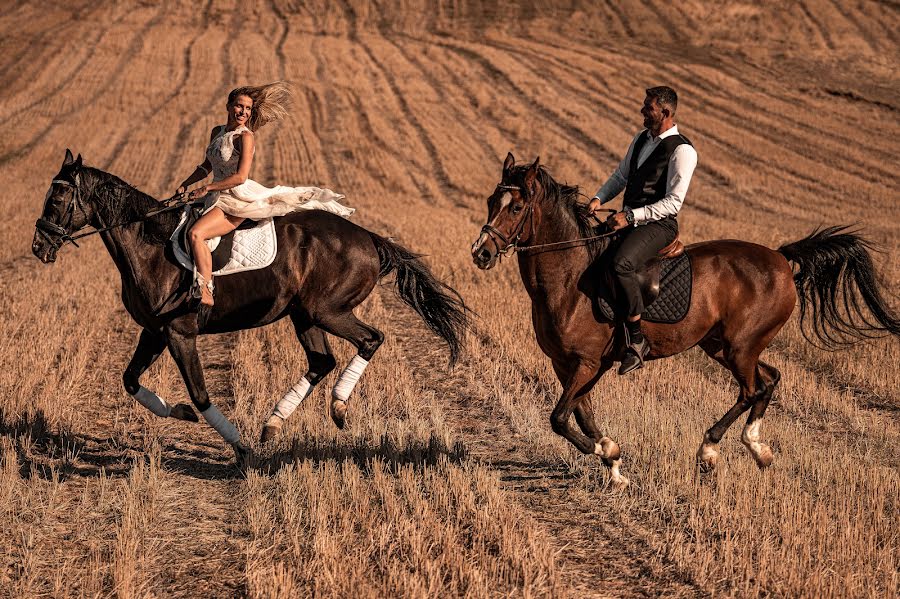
{"points": [[201, 172]]}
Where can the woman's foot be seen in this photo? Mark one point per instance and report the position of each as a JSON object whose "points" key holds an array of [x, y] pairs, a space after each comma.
{"points": [[206, 291]]}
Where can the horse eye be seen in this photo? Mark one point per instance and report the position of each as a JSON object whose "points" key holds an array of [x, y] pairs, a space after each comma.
{"points": [[517, 208]]}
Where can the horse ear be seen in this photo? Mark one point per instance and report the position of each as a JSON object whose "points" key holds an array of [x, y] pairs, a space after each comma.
{"points": [[509, 162], [78, 161], [69, 159], [531, 174]]}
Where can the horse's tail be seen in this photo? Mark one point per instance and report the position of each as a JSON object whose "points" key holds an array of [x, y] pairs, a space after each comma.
{"points": [[439, 305], [835, 281]]}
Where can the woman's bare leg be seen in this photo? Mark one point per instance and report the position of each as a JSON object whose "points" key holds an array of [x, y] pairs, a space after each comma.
{"points": [[212, 224]]}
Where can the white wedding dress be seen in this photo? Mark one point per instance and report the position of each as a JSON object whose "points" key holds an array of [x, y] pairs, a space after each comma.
{"points": [[255, 201]]}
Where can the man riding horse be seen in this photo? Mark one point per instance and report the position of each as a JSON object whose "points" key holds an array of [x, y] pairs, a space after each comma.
{"points": [[655, 175]]}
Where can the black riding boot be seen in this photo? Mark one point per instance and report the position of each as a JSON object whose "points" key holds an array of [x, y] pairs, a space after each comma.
{"points": [[636, 347]]}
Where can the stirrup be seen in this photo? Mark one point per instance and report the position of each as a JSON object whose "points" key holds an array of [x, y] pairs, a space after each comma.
{"points": [[634, 353]]}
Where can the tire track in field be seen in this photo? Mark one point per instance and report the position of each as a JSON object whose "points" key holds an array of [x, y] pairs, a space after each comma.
{"points": [[275, 136], [438, 88], [776, 135], [93, 44], [437, 172], [619, 16], [182, 143], [447, 188], [181, 138], [817, 26], [864, 33], [674, 31], [548, 114], [730, 68], [123, 63], [723, 114]]}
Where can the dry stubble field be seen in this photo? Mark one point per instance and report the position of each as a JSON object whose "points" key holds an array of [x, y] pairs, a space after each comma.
{"points": [[445, 482]]}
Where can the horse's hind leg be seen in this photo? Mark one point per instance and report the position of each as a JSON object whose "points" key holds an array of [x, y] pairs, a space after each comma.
{"points": [[768, 378], [708, 453], [150, 347], [320, 362], [367, 340], [757, 381]]}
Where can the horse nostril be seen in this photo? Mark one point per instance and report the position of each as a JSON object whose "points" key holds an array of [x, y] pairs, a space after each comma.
{"points": [[484, 255]]}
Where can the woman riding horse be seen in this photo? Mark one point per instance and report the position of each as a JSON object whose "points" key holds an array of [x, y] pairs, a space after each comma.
{"points": [[233, 195], [325, 267]]}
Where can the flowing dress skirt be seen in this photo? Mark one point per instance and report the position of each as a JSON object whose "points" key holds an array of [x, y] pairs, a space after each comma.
{"points": [[255, 201]]}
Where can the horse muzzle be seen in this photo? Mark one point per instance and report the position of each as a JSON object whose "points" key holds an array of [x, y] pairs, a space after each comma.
{"points": [[482, 256], [44, 251]]}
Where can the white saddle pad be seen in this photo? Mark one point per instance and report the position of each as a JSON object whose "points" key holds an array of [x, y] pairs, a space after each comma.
{"points": [[253, 248]]}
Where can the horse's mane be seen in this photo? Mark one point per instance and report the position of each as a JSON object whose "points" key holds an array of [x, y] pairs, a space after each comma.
{"points": [[564, 199], [119, 202]]}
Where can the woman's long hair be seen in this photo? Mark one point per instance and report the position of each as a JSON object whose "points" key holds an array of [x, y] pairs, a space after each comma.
{"points": [[270, 102]]}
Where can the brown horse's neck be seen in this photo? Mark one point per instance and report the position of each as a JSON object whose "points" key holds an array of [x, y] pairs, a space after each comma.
{"points": [[551, 275]]}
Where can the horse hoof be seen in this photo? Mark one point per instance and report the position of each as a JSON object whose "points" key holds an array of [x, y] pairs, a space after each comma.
{"points": [[619, 481], [183, 411], [242, 455], [272, 429], [765, 457], [339, 412], [707, 457]]}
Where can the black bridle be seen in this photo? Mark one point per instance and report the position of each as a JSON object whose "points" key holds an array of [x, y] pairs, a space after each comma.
{"points": [[511, 244], [57, 235]]}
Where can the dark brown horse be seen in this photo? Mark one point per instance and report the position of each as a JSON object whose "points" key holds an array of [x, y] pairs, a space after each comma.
{"points": [[743, 294], [325, 267]]}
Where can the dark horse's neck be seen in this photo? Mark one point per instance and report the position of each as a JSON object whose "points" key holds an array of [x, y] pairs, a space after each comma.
{"points": [[138, 247], [558, 217]]}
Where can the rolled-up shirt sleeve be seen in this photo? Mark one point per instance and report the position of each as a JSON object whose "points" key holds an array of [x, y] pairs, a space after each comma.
{"points": [[617, 181], [681, 168]]}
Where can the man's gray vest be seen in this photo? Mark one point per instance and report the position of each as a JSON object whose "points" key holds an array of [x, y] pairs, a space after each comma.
{"points": [[647, 183]]}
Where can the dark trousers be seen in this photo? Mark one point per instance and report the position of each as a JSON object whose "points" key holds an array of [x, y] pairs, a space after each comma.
{"points": [[637, 247]]}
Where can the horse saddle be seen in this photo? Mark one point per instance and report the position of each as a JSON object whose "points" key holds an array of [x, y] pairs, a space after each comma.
{"points": [[251, 246], [665, 286]]}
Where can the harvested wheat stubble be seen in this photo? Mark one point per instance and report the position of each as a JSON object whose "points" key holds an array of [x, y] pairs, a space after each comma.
{"points": [[445, 482]]}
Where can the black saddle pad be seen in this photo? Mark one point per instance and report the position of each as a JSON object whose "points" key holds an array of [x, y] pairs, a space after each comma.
{"points": [[674, 298]]}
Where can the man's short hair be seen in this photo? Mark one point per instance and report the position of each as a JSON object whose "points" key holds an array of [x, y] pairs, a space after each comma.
{"points": [[665, 96]]}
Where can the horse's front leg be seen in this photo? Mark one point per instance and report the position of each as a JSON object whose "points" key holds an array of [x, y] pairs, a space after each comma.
{"points": [[148, 350], [183, 347], [605, 447], [575, 389]]}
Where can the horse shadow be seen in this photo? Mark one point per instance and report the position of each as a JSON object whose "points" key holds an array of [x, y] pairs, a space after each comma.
{"points": [[46, 452], [418, 453]]}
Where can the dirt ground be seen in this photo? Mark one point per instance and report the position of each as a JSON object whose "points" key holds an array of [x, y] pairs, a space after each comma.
{"points": [[445, 482]]}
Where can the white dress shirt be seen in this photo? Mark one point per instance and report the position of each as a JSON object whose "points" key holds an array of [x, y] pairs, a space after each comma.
{"points": [[681, 168]]}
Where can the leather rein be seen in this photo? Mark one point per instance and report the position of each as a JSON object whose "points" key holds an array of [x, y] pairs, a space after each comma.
{"points": [[511, 244], [49, 229]]}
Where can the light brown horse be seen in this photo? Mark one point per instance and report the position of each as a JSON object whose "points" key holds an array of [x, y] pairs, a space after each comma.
{"points": [[743, 293]]}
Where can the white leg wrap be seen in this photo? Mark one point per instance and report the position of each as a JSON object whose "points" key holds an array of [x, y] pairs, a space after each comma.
{"points": [[222, 425], [153, 402], [750, 437], [349, 378], [287, 404]]}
